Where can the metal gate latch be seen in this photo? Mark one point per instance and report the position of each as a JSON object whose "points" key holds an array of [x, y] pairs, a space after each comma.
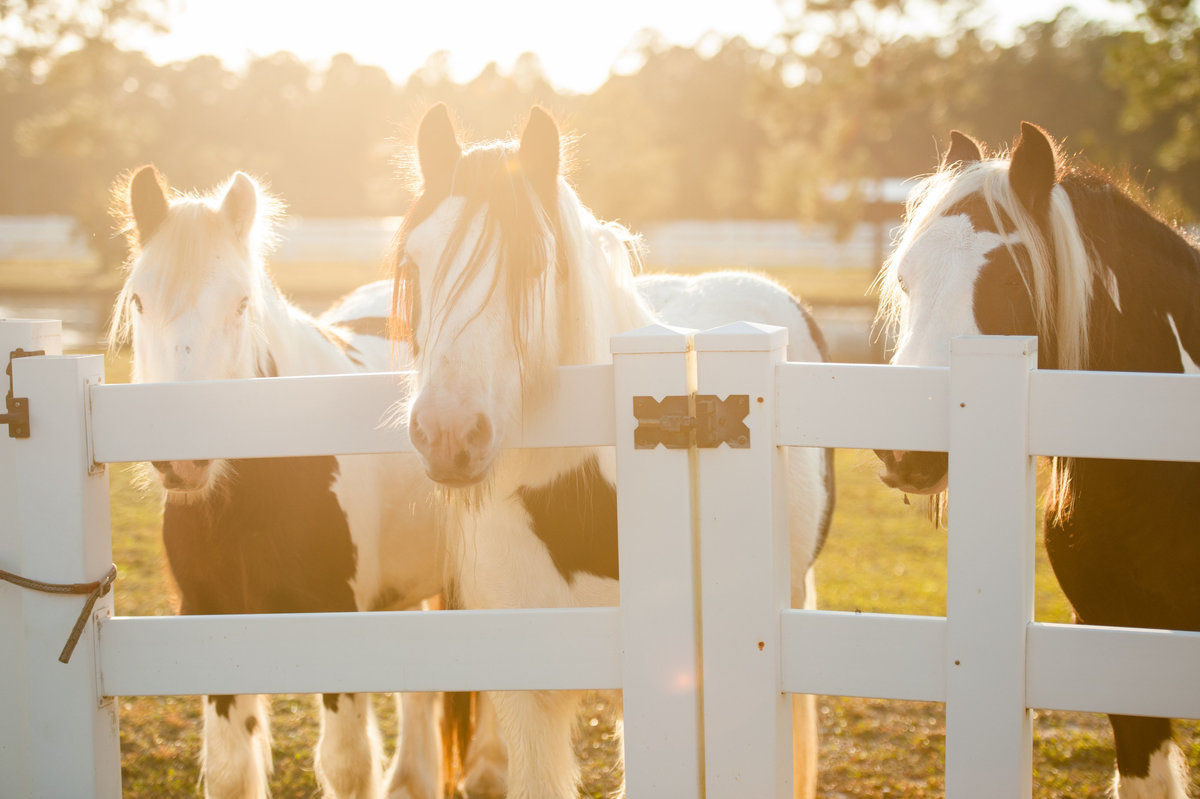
{"points": [[669, 422], [17, 416]]}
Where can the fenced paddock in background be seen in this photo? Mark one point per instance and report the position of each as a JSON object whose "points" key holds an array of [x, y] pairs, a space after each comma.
{"points": [[705, 652]]}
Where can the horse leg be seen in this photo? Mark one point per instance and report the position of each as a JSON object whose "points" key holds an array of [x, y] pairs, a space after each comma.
{"points": [[236, 755], [1150, 764], [804, 708], [416, 770], [347, 759], [537, 727], [486, 761]]}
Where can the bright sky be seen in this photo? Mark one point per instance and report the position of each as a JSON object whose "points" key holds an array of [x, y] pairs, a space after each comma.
{"points": [[578, 42]]}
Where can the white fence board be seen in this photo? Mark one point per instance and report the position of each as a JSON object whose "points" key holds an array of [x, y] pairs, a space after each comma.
{"points": [[323, 415], [882, 655], [1092, 415], [1113, 670], [861, 406], [361, 652]]}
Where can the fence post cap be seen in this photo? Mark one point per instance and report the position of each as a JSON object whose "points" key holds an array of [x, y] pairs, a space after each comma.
{"points": [[652, 339], [742, 337]]}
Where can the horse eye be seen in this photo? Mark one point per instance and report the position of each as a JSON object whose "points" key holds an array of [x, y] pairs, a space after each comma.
{"points": [[243, 305], [137, 303]]}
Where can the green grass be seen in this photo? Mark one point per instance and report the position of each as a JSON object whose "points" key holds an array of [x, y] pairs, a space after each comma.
{"points": [[882, 556]]}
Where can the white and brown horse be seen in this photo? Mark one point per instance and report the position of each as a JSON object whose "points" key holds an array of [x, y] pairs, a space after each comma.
{"points": [[277, 535], [503, 276], [1028, 243]]}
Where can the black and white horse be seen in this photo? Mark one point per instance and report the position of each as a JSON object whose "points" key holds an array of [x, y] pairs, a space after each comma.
{"points": [[1029, 243], [503, 275], [277, 535]]}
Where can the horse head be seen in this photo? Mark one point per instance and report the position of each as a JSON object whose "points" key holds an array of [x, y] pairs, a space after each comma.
{"points": [[478, 274], [975, 257], [189, 305]]}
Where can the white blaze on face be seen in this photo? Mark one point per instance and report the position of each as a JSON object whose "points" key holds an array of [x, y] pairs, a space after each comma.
{"points": [[939, 270], [469, 385], [206, 337]]}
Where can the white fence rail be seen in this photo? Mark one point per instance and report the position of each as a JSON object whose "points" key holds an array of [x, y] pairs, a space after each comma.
{"points": [[704, 698]]}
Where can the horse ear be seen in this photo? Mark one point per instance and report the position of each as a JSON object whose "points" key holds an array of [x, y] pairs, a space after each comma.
{"points": [[240, 205], [963, 150], [540, 148], [148, 202], [1034, 168], [438, 150]]}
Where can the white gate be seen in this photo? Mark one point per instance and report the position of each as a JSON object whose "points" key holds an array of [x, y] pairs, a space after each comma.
{"points": [[705, 652]]}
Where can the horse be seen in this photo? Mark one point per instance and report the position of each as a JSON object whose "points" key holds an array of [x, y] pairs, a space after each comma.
{"points": [[502, 275], [1030, 242], [276, 535]]}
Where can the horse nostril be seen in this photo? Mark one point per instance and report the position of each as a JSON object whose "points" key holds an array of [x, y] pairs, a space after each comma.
{"points": [[417, 436], [161, 466], [480, 435], [462, 459]]}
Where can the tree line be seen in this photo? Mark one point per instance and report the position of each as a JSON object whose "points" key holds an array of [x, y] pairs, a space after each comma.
{"points": [[719, 130]]}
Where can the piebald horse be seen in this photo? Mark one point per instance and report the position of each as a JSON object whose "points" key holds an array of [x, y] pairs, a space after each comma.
{"points": [[277, 535], [1029, 243], [502, 276]]}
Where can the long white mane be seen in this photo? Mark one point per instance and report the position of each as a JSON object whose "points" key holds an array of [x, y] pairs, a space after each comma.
{"points": [[602, 259]]}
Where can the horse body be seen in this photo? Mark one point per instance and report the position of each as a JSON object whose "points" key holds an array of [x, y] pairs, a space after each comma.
{"points": [[503, 276], [277, 535], [1026, 245]]}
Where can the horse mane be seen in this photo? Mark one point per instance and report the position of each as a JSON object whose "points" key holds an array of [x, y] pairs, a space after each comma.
{"points": [[532, 239], [193, 229]]}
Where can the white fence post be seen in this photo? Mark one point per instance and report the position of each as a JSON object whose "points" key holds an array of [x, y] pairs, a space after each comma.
{"points": [[663, 734], [989, 593], [66, 732], [745, 573], [15, 775]]}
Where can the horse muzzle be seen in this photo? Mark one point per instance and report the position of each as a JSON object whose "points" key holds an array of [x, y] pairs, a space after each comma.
{"points": [[183, 475], [455, 455], [914, 472]]}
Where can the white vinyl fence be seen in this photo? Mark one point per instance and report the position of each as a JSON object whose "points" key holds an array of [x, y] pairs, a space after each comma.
{"points": [[703, 645]]}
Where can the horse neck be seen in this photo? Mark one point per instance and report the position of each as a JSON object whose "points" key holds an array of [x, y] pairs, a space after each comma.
{"points": [[1157, 275], [292, 341]]}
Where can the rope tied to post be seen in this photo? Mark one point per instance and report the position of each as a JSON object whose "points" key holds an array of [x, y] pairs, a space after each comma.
{"points": [[93, 590]]}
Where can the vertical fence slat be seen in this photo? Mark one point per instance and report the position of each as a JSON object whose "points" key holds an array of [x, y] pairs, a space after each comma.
{"points": [[15, 774], [745, 575], [63, 523], [663, 736], [989, 593]]}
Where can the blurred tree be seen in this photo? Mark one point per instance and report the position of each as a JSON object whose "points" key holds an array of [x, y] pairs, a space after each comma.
{"points": [[854, 94], [33, 32], [92, 122], [1159, 69]]}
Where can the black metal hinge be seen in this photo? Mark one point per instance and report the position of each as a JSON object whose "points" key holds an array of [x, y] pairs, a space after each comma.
{"points": [[670, 422], [17, 415]]}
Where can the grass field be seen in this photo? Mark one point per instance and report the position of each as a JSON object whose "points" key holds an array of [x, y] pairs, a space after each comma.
{"points": [[882, 556]]}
